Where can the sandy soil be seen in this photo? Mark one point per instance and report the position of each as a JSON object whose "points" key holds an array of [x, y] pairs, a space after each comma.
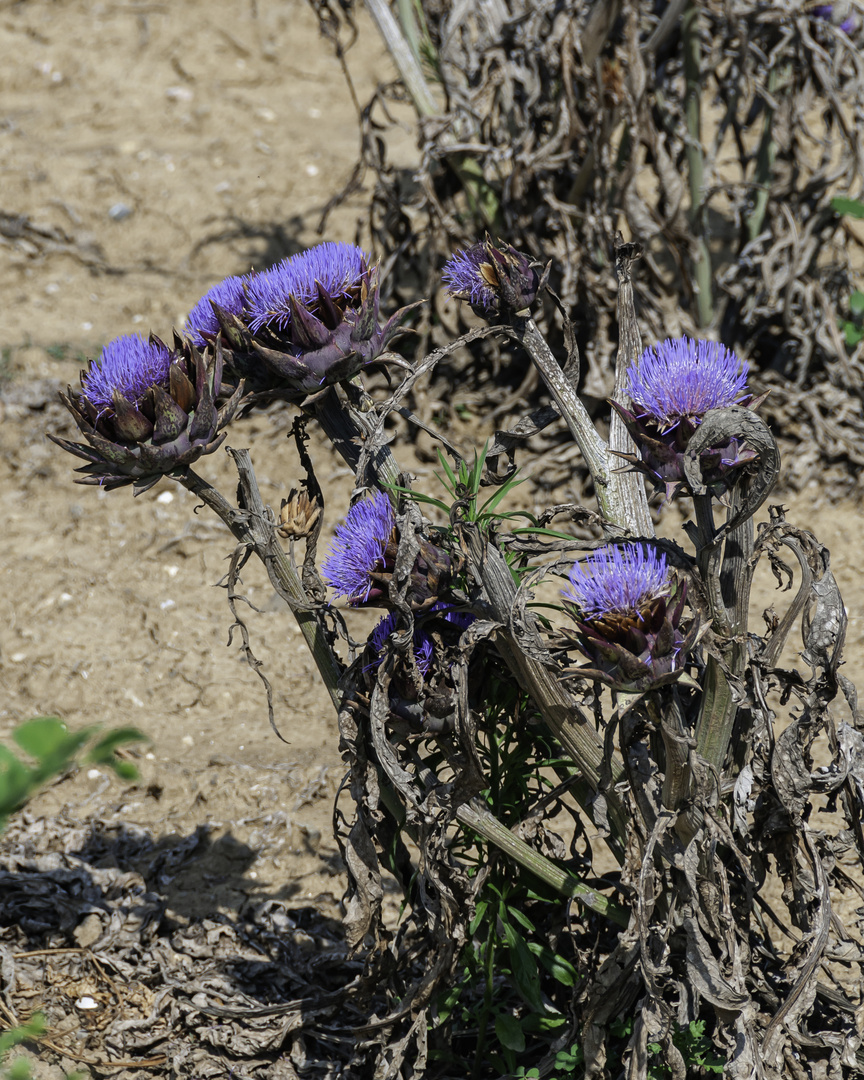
{"points": [[148, 150]]}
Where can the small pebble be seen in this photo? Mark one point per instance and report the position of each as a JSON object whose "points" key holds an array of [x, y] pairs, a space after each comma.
{"points": [[120, 211]]}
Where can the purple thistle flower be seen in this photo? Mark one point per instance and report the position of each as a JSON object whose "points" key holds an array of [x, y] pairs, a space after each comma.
{"points": [[463, 275], [201, 320], [129, 365], [332, 268], [424, 649], [358, 548], [628, 613], [672, 387], [847, 22], [618, 580], [494, 280], [685, 378], [146, 410]]}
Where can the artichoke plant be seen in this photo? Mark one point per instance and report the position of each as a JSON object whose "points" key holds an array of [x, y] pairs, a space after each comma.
{"points": [[146, 410], [670, 389]]}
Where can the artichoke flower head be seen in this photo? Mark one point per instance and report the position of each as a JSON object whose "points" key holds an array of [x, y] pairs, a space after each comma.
{"points": [[669, 389], [494, 280], [307, 322], [147, 410], [627, 609], [362, 559]]}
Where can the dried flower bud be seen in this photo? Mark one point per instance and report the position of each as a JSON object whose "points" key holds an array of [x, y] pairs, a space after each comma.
{"points": [[298, 514], [494, 280]]}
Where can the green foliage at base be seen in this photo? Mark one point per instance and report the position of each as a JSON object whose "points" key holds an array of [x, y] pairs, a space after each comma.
{"points": [[54, 748]]}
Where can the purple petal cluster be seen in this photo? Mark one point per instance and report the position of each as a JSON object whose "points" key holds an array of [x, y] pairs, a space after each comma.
{"points": [[464, 275], [826, 11], [228, 294], [130, 365], [686, 378], [424, 648], [618, 580], [336, 269], [358, 547]]}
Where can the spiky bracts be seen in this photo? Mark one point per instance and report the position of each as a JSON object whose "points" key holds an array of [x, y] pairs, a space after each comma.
{"points": [[310, 321], [362, 559], [146, 410], [627, 609], [494, 280], [671, 387]]}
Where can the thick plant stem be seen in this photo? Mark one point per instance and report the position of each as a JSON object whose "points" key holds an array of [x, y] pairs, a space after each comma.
{"points": [[254, 527], [593, 448], [629, 485], [475, 816], [764, 163], [403, 57], [726, 572], [696, 161]]}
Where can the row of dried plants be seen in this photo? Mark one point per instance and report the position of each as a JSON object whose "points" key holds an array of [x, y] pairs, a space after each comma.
{"points": [[719, 133]]}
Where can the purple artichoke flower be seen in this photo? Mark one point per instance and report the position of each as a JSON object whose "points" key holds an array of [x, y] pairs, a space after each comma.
{"points": [[146, 410], [628, 612], [359, 547], [670, 389], [313, 320], [203, 323], [838, 14], [362, 558], [429, 704], [424, 647], [494, 280]]}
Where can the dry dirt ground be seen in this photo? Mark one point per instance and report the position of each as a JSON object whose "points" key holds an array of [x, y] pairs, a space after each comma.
{"points": [[148, 150]]}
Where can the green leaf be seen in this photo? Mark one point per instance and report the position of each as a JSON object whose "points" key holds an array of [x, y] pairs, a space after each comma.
{"points": [[419, 497], [856, 302], [47, 737], [479, 914], [535, 530], [113, 739], [124, 769], [445, 465], [509, 1032], [525, 973], [522, 919], [852, 333], [16, 781], [34, 1027], [19, 1070], [850, 207], [501, 493], [561, 970]]}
